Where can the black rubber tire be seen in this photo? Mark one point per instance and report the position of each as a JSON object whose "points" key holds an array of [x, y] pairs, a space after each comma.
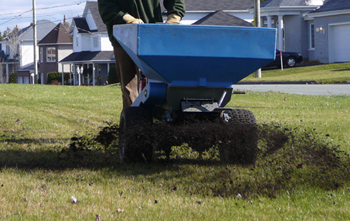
{"points": [[243, 146], [290, 62], [133, 127]]}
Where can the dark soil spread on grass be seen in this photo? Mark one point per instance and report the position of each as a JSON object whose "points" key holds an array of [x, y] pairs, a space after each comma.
{"points": [[287, 158]]}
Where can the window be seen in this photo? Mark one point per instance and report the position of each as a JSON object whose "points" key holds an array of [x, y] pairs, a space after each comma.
{"points": [[312, 36], [19, 80], [41, 55], [7, 49], [51, 54], [95, 39]]}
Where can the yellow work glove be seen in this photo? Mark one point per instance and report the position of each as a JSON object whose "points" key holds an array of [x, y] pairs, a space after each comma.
{"points": [[173, 19], [129, 19]]}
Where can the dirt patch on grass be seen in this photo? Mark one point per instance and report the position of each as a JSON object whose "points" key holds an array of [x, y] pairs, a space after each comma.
{"points": [[287, 158]]}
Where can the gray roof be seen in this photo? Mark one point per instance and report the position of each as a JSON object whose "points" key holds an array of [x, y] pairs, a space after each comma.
{"points": [[96, 16], [43, 27], [27, 67], [334, 5], [82, 25], [222, 19], [57, 35], [214, 5], [277, 3], [86, 56]]}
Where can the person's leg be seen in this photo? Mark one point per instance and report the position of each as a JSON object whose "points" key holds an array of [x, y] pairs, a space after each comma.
{"points": [[127, 74]]}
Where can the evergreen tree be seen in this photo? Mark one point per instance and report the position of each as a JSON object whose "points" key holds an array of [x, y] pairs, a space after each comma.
{"points": [[13, 78], [112, 75]]}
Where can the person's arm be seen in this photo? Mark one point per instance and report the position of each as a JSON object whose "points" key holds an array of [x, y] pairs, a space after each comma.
{"points": [[175, 10], [111, 12]]}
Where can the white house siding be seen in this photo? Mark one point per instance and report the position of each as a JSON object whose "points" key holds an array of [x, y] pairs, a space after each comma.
{"points": [[86, 42], [94, 47], [105, 43], [76, 37], [27, 53], [90, 21], [321, 37], [63, 51]]}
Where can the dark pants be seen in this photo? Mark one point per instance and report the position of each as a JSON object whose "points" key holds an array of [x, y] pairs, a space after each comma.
{"points": [[127, 74]]}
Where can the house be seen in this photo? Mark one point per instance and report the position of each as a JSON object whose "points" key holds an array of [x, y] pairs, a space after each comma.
{"points": [[221, 18], [25, 51], [295, 21], [319, 29], [288, 17], [55, 46], [329, 26], [198, 9], [9, 63], [92, 51]]}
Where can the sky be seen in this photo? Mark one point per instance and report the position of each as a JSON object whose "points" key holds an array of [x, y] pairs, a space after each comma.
{"points": [[20, 12]]}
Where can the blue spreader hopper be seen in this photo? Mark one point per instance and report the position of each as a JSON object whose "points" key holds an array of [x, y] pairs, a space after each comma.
{"points": [[191, 68]]}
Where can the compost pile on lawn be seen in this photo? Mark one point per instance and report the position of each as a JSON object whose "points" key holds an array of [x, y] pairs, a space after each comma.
{"points": [[287, 158]]}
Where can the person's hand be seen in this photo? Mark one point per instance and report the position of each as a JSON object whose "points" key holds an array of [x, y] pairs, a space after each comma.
{"points": [[129, 19], [173, 19]]}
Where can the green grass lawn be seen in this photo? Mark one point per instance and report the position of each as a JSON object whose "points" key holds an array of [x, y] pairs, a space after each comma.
{"points": [[39, 172], [323, 73]]}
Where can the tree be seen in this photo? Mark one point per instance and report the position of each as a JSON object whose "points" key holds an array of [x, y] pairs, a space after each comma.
{"points": [[2, 59], [13, 78], [11, 39], [112, 75]]}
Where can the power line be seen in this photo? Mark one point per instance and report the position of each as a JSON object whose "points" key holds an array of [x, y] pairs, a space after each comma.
{"points": [[44, 8]]}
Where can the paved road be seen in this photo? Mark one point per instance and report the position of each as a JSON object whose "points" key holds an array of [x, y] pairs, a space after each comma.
{"points": [[304, 89]]}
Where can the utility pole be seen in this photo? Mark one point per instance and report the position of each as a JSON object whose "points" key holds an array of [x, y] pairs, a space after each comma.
{"points": [[257, 24], [35, 43]]}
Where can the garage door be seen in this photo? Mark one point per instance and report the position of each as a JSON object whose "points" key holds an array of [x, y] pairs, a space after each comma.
{"points": [[341, 43]]}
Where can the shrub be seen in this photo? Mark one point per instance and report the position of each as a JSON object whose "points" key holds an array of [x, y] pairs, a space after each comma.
{"points": [[13, 78], [112, 75], [55, 82], [58, 77]]}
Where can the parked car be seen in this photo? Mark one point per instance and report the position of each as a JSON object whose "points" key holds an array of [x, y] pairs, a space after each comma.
{"points": [[290, 59]]}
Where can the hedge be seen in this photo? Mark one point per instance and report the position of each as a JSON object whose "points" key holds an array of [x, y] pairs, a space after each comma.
{"points": [[58, 77]]}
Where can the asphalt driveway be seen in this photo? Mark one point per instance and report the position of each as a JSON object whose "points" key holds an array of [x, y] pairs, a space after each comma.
{"points": [[303, 89]]}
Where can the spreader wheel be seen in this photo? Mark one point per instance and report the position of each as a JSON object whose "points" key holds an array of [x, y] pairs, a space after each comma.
{"points": [[134, 145], [242, 146]]}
